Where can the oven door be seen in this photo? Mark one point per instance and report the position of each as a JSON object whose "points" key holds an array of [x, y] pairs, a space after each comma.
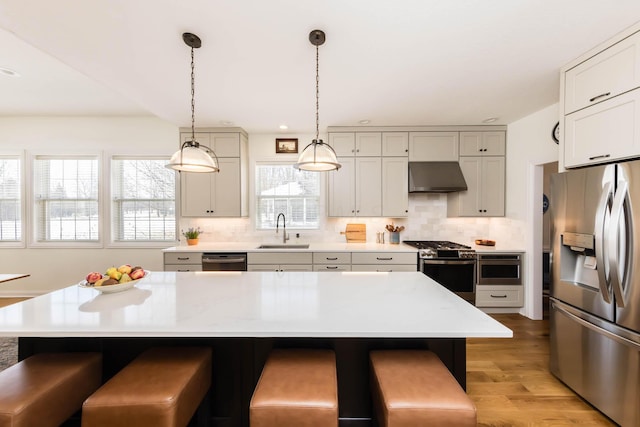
{"points": [[457, 275]]}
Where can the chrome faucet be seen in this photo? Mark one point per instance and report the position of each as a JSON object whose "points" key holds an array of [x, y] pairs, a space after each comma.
{"points": [[284, 227]]}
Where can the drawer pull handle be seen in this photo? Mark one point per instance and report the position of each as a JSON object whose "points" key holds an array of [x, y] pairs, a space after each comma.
{"points": [[329, 267], [184, 270], [600, 96], [603, 156], [331, 259], [183, 259], [384, 259], [498, 296]]}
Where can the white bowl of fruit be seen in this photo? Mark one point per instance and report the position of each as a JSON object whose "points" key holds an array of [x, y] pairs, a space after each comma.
{"points": [[114, 279]]}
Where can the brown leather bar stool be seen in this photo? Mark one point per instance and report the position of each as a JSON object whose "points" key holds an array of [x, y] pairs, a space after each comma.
{"points": [[297, 387], [46, 389], [162, 387], [414, 388]]}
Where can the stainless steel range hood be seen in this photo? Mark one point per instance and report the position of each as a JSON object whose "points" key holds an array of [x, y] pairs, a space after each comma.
{"points": [[435, 177]]}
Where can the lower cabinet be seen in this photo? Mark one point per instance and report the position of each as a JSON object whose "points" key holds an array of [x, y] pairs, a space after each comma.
{"points": [[332, 261], [499, 296], [279, 261], [384, 261], [183, 261]]}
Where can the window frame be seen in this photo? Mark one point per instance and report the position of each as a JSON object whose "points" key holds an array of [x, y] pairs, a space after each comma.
{"points": [[254, 197], [32, 229], [20, 156], [110, 242]]}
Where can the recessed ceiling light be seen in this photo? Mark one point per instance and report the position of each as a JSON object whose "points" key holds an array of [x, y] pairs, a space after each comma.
{"points": [[226, 122], [365, 122], [490, 120], [9, 72], [284, 127]]}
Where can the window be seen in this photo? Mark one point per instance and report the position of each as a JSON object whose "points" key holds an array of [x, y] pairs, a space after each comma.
{"points": [[142, 200], [66, 203], [10, 200], [283, 189]]}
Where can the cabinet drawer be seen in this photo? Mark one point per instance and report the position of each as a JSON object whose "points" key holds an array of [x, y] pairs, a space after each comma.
{"points": [[332, 257], [384, 267], [385, 258], [609, 73], [499, 296], [182, 267], [332, 267], [183, 258], [603, 133], [279, 258]]}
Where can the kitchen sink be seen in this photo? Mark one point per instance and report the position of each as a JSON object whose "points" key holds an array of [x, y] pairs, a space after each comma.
{"points": [[283, 246]]}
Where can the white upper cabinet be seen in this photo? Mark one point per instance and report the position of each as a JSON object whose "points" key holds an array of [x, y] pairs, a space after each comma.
{"points": [[395, 144], [356, 188], [482, 143], [347, 144], [395, 192], [609, 73], [433, 146]]}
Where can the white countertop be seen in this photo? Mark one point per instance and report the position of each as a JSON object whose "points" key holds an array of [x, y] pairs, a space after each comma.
{"points": [[241, 304], [313, 247]]}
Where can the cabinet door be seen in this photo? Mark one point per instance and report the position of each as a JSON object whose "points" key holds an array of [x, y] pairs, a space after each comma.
{"points": [[482, 143], [341, 189], [296, 267], [368, 143], [226, 144], [395, 192], [611, 72], [603, 133], [395, 144], [493, 186], [433, 146], [201, 138], [195, 194], [469, 201], [368, 186], [226, 188], [344, 144]]}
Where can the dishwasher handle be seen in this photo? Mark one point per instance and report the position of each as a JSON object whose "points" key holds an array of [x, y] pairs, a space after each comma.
{"points": [[223, 259]]}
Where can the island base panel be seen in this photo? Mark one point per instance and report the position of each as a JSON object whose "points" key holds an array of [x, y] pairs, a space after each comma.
{"points": [[238, 362]]}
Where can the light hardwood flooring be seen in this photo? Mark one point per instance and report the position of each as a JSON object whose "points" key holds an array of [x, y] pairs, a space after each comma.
{"points": [[510, 382]]}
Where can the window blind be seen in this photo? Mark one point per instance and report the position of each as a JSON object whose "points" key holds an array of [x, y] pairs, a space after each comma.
{"points": [[10, 199]]}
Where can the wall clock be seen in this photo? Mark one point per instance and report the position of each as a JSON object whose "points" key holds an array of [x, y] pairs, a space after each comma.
{"points": [[545, 203], [555, 133]]}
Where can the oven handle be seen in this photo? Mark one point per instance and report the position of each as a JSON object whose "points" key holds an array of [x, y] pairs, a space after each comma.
{"points": [[437, 261]]}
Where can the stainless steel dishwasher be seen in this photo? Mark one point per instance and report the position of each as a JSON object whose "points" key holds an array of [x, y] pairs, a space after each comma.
{"points": [[228, 261]]}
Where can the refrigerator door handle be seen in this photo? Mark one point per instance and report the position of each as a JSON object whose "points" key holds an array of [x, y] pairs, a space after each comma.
{"points": [[598, 329], [600, 235], [620, 204]]}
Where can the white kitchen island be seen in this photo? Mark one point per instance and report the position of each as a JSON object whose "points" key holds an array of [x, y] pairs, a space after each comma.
{"points": [[244, 315]]}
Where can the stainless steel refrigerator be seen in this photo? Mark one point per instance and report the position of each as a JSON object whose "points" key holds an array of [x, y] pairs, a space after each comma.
{"points": [[595, 286]]}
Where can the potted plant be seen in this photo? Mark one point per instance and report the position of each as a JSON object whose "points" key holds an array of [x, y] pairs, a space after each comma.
{"points": [[192, 235]]}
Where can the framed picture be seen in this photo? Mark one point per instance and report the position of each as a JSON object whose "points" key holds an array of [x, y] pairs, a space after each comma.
{"points": [[286, 145]]}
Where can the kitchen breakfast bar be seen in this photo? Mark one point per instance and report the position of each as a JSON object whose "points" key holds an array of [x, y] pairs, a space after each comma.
{"points": [[242, 316]]}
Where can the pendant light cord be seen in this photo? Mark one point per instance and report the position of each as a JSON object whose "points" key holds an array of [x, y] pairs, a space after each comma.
{"points": [[317, 95], [193, 101]]}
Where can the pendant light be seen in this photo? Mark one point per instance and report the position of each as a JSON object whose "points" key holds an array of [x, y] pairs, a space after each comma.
{"points": [[193, 157], [317, 156]]}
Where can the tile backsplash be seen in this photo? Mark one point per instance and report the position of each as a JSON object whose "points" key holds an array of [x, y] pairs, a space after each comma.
{"points": [[427, 221]]}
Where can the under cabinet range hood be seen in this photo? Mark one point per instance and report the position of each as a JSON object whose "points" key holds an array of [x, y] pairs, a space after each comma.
{"points": [[435, 177]]}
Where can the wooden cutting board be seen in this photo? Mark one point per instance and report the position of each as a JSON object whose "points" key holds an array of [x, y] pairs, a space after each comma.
{"points": [[356, 233]]}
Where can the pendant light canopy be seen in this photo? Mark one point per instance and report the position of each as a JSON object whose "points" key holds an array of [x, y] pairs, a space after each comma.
{"points": [[317, 156], [193, 157]]}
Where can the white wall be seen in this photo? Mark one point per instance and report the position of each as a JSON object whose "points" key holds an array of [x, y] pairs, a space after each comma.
{"points": [[530, 147], [56, 268]]}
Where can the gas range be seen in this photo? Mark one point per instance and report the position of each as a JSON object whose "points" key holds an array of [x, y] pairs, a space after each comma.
{"points": [[441, 249]]}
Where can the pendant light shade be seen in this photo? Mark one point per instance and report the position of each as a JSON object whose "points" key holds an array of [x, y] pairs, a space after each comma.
{"points": [[317, 156], [193, 157]]}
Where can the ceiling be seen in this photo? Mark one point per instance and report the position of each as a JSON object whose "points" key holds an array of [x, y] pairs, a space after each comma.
{"points": [[403, 62]]}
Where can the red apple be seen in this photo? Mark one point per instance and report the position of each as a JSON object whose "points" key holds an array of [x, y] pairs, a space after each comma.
{"points": [[93, 277], [137, 273]]}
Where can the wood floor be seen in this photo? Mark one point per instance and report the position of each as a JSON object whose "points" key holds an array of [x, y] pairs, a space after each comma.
{"points": [[510, 382]]}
